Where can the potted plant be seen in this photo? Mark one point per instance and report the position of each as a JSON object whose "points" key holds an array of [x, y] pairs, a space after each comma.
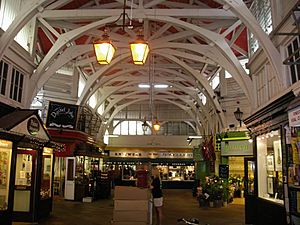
{"points": [[225, 193]]}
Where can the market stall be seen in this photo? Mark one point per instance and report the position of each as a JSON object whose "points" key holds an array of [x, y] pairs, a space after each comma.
{"points": [[26, 162]]}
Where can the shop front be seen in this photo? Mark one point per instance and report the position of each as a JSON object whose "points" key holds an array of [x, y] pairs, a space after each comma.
{"points": [[234, 150], [266, 183], [176, 168], [26, 167], [293, 161]]}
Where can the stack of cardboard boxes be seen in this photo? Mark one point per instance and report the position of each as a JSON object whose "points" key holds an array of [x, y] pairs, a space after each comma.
{"points": [[132, 206]]}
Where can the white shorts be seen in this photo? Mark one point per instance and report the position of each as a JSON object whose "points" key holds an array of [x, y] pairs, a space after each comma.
{"points": [[158, 202]]}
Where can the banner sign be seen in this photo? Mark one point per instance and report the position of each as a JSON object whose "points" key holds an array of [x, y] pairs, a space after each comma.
{"points": [[240, 148], [61, 115], [152, 155]]}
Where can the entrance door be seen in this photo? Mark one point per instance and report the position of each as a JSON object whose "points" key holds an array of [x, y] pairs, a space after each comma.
{"points": [[24, 184], [250, 193], [70, 178]]}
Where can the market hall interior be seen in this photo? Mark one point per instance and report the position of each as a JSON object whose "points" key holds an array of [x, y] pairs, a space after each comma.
{"points": [[95, 95]]}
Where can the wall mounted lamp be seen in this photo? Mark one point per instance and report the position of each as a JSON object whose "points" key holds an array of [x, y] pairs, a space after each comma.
{"points": [[238, 115]]}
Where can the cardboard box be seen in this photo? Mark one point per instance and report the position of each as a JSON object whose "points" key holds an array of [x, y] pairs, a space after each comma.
{"points": [[131, 205], [131, 193], [87, 199], [130, 216], [130, 223]]}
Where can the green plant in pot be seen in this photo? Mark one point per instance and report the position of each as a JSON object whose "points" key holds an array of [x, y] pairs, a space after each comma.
{"points": [[225, 192]]}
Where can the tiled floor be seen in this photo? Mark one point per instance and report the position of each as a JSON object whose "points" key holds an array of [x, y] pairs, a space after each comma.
{"points": [[177, 204]]}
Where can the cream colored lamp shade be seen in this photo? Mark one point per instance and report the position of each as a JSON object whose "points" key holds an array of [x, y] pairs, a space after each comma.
{"points": [[139, 50], [104, 50]]}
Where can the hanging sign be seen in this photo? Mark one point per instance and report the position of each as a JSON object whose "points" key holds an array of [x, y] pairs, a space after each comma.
{"points": [[294, 117], [62, 115], [229, 148], [33, 126]]}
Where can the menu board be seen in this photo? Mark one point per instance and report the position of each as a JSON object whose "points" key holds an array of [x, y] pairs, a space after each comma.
{"points": [[224, 171], [61, 115]]}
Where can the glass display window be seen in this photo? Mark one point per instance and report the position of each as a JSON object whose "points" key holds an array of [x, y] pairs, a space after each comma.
{"points": [[46, 181], [176, 173], [269, 160], [5, 162], [129, 172]]}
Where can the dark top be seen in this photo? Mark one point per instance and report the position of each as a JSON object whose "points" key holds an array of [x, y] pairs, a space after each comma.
{"points": [[156, 190]]}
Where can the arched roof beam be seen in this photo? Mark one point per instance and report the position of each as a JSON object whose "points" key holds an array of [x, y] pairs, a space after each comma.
{"points": [[218, 40], [239, 8], [209, 92], [24, 16], [121, 107]]}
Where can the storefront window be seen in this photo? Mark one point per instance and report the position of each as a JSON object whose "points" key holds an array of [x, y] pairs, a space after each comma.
{"points": [[46, 182], [269, 160], [176, 173], [129, 172], [5, 160]]}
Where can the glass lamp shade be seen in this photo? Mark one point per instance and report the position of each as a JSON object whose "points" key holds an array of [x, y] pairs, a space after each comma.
{"points": [[238, 114], [104, 51], [139, 50], [156, 125]]}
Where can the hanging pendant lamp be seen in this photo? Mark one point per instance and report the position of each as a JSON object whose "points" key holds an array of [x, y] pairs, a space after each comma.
{"points": [[104, 49], [139, 50]]}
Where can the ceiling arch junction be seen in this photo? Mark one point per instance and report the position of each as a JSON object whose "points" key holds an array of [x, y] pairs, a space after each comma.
{"points": [[190, 37]]}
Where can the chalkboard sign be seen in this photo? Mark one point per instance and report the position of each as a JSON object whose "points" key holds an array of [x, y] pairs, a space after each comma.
{"points": [[224, 171], [61, 115]]}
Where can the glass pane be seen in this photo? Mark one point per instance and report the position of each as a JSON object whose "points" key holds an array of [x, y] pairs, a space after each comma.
{"points": [[47, 162], [70, 169], [270, 183], [23, 182], [5, 160], [23, 171], [250, 180]]}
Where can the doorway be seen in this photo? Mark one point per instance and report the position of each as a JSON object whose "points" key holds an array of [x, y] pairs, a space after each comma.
{"points": [[24, 184], [250, 197]]}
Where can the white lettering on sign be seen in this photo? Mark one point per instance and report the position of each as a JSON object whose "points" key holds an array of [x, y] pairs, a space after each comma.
{"points": [[141, 154]]}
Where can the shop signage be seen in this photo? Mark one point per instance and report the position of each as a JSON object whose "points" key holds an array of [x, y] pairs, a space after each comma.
{"points": [[294, 117], [152, 155], [230, 148], [33, 126], [62, 115]]}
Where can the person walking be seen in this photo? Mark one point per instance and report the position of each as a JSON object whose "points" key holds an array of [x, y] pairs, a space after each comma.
{"points": [[156, 186]]}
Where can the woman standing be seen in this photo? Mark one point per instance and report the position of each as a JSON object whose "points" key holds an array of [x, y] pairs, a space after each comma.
{"points": [[156, 187]]}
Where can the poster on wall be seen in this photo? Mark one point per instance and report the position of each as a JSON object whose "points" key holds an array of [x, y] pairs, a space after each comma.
{"points": [[270, 186], [61, 115], [270, 163], [277, 155]]}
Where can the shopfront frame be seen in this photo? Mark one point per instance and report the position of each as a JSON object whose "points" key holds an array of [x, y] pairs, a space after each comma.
{"points": [[38, 204], [272, 117]]}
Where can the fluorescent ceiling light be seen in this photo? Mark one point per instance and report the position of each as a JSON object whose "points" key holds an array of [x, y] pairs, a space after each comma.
{"points": [[161, 85], [155, 86], [195, 137], [111, 135], [144, 86]]}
